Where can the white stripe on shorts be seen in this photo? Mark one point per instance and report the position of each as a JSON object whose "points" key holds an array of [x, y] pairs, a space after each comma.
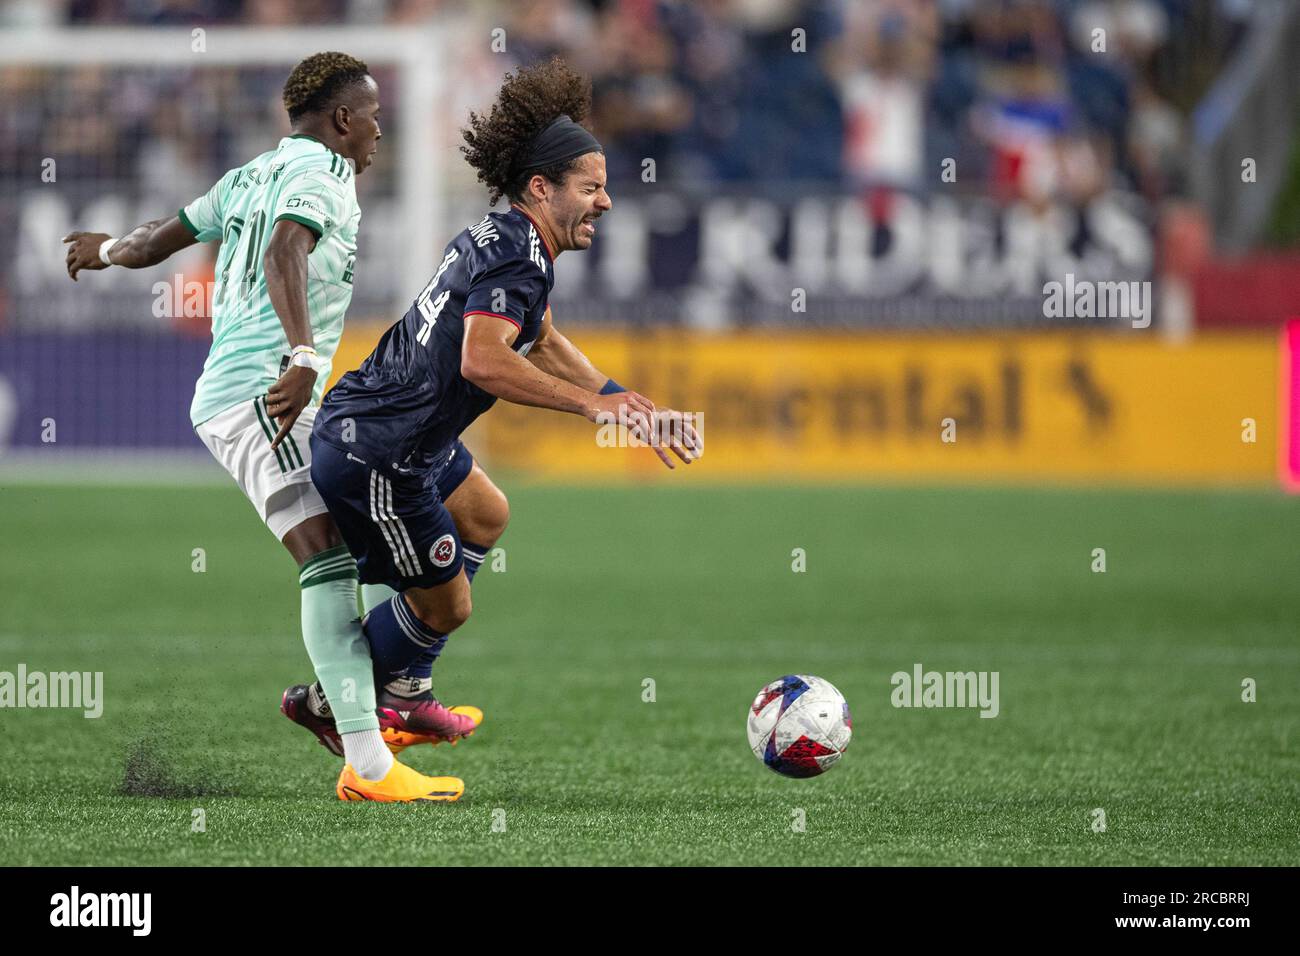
{"points": [[382, 521], [401, 528]]}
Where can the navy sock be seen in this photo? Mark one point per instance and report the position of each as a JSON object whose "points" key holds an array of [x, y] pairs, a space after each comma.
{"points": [[474, 555], [422, 667], [397, 638]]}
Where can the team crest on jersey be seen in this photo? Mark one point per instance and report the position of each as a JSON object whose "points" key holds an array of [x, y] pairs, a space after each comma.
{"points": [[443, 551]]}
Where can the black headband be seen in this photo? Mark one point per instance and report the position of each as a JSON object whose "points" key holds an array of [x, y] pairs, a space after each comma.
{"points": [[563, 139]]}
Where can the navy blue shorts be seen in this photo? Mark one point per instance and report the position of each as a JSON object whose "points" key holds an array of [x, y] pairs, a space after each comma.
{"points": [[396, 526], [453, 471]]}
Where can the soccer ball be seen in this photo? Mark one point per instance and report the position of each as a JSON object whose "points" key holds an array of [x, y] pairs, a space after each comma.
{"points": [[799, 725]]}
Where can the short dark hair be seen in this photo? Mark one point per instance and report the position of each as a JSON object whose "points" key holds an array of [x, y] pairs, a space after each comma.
{"points": [[529, 100], [317, 82]]}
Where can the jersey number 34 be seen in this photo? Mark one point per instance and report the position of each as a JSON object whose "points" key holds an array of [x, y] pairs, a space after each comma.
{"points": [[430, 309]]}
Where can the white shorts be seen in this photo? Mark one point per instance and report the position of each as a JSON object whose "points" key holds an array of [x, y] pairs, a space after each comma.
{"points": [[276, 480]]}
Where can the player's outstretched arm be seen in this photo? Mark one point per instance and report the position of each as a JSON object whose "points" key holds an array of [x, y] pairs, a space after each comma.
{"points": [[488, 361], [285, 265], [145, 245], [555, 355]]}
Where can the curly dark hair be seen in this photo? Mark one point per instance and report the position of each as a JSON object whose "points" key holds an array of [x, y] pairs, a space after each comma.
{"points": [[530, 99], [316, 82]]}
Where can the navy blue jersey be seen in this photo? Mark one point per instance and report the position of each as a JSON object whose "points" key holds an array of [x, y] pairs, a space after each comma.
{"points": [[407, 404]]}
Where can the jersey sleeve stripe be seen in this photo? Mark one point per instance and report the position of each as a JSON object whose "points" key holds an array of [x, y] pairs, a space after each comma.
{"points": [[516, 324], [185, 221], [313, 226]]}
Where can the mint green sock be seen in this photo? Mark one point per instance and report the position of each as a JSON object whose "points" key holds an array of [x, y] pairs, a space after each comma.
{"points": [[373, 594], [337, 647]]}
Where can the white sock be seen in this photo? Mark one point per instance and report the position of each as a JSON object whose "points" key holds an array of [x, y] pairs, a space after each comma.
{"points": [[365, 750], [409, 686], [316, 701]]}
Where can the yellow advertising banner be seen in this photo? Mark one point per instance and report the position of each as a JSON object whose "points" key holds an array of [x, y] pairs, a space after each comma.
{"points": [[798, 406]]}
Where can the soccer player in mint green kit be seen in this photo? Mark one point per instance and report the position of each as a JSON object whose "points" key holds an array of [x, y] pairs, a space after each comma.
{"points": [[287, 221]]}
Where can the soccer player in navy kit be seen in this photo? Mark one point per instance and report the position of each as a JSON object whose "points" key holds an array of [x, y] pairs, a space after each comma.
{"points": [[414, 508]]}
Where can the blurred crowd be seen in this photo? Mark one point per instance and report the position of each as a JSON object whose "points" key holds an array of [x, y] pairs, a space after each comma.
{"points": [[1017, 99]]}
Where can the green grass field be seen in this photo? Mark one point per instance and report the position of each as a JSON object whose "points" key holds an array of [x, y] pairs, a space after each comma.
{"points": [[1119, 691]]}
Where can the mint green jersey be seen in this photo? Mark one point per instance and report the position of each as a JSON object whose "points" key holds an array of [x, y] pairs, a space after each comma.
{"points": [[302, 180]]}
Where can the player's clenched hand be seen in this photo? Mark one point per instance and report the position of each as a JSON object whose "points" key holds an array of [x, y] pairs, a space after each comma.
{"points": [[288, 397], [83, 253]]}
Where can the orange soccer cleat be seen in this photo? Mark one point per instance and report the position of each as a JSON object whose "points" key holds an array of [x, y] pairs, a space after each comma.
{"points": [[400, 785]]}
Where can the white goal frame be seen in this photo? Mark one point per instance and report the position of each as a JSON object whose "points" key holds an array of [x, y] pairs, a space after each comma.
{"points": [[414, 50]]}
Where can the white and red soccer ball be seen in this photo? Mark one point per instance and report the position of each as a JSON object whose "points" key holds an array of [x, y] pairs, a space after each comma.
{"points": [[799, 725]]}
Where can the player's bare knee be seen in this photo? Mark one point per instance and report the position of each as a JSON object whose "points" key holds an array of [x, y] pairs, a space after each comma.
{"points": [[481, 510], [443, 612], [450, 615], [312, 536], [496, 515], [459, 611]]}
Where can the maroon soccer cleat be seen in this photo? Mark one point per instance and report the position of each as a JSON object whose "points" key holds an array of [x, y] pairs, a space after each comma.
{"points": [[294, 706], [411, 720], [403, 721]]}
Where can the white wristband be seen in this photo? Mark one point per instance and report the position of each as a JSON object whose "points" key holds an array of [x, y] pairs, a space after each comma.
{"points": [[104, 246], [307, 359]]}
